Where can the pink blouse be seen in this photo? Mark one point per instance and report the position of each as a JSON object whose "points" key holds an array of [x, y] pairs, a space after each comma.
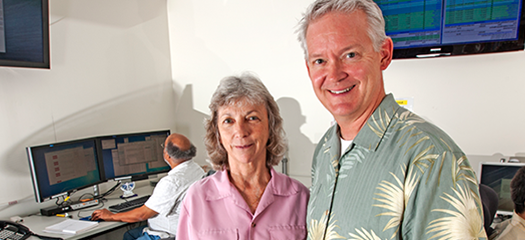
{"points": [[214, 209]]}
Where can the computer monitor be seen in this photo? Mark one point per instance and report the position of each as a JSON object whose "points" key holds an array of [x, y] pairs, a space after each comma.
{"points": [[24, 33], [433, 28], [61, 168], [498, 177], [132, 156]]}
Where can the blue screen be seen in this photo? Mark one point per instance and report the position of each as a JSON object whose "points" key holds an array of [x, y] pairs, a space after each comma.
{"points": [[419, 23], [63, 167]]}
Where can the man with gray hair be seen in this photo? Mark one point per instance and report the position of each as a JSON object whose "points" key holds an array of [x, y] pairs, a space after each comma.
{"points": [[162, 208], [381, 172]]}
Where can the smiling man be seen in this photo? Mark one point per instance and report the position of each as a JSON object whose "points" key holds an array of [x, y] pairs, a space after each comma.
{"points": [[381, 172]]}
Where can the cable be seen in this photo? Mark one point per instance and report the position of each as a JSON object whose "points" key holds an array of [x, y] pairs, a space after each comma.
{"points": [[110, 190]]}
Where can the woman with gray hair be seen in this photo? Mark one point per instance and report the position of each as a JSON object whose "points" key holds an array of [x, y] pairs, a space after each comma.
{"points": [[246, 198]]}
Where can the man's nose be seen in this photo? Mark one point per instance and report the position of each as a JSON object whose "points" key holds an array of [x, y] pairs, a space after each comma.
{"points": [[335, 72]]}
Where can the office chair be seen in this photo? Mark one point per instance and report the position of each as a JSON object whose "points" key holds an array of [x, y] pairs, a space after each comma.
{"points": [[489, 199]]}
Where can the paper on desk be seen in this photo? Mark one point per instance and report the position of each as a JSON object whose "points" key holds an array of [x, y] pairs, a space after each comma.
{"points": [[70, 226]]}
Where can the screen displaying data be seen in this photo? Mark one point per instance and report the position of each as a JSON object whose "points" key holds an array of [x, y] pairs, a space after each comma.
{"points": [[63, 167], [137, 154], [412, 23]]}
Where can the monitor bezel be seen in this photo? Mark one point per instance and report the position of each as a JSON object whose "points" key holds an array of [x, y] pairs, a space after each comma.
{"points": [[36, 176]]}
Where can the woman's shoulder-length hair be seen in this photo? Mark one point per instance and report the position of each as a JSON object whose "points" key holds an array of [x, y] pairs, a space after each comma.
{"points": [[248, 89]]}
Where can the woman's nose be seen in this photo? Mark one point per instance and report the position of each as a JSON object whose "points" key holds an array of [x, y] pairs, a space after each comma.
{"points": [[241, 129]]}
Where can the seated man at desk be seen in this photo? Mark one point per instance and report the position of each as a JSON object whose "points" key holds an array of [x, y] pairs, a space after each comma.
{"points": [[514, 228], [162, 208]]}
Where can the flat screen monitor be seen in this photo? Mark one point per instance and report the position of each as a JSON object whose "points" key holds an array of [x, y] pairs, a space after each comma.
{"points": [[432, 28], [133, 156], [61, 168], [24, 33], [498, 177]]}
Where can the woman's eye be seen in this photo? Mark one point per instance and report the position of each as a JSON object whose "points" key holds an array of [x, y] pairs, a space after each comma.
{"points": [[350, 55], [227, 120], [251, 118]]}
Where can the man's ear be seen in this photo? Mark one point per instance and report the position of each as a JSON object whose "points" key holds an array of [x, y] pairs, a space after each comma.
{"points": [[387, 51], [307, 67]]}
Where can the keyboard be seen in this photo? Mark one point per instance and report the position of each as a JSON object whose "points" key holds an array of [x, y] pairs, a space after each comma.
{"points": [[129, 205]]}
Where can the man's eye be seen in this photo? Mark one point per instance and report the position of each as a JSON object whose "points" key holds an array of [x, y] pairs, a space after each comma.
{"points": [[350, 55], [318, 61]]}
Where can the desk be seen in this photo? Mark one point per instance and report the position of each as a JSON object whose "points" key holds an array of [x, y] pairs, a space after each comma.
{"points": [[37, 223]]}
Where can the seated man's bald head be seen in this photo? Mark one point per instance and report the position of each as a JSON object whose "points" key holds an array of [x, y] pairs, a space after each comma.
{"points": [[178, 149]]}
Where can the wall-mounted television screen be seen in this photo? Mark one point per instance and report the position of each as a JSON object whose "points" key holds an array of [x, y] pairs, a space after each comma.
{"points": [[24, 33], [433, 28]]}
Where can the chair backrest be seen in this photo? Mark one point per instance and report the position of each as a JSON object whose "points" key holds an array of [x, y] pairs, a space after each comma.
{"points": [[489, 199]]}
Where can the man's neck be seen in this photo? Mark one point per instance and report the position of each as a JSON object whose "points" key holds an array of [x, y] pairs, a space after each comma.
{"points": [[521, 215], [349, 126], [174, 164]]}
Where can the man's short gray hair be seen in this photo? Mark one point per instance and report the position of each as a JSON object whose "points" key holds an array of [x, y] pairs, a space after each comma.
{"points": [[319, 8], [175, 152]]}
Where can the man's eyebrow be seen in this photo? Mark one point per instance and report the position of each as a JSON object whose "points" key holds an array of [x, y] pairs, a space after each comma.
{"points": [[346, 49]]}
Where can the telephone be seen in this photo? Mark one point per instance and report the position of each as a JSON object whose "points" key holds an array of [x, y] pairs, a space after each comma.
{"points": [[13, 231]]}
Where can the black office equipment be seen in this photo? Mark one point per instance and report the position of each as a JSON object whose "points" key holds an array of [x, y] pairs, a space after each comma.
{"points": [[24, 33], [129, 205], [430, 28], [10, 230], [54, 210], [498, 176], [61, 168]]}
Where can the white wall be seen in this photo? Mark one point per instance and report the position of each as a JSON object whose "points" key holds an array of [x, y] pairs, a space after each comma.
{"points": [[110, 73], [478, 100], [135, 65]]}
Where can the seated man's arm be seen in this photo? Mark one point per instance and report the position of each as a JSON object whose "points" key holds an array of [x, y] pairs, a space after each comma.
{"points": [[136, 215]]}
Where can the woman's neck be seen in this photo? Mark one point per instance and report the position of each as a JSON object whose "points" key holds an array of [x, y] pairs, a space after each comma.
{"points": [[250, 184]]}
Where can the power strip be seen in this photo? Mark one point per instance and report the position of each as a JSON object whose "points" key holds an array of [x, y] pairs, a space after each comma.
{"points": [[81, 205], [51, 211]]}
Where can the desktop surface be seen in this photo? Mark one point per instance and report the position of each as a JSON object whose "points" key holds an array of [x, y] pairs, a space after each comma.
{"points": [[37, 223]]}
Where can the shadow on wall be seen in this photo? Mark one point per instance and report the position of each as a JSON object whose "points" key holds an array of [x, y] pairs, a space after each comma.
{"points": [[190, 123], [300, 148], [130, 112]]}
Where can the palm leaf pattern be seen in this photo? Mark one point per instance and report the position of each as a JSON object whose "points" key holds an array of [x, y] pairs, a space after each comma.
{"points": [[364, 235], [317, 228], [418, 151], [394, 198], [464, 223]]}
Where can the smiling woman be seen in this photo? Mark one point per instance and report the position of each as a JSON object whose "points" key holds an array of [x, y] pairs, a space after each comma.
{"points": [[246, 198]]}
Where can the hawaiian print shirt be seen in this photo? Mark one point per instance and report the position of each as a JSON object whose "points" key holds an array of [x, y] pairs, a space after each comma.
{"points": [[401, 178]]}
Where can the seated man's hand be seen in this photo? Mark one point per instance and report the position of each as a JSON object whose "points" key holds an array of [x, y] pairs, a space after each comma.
{"points": [[102, 214]]}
